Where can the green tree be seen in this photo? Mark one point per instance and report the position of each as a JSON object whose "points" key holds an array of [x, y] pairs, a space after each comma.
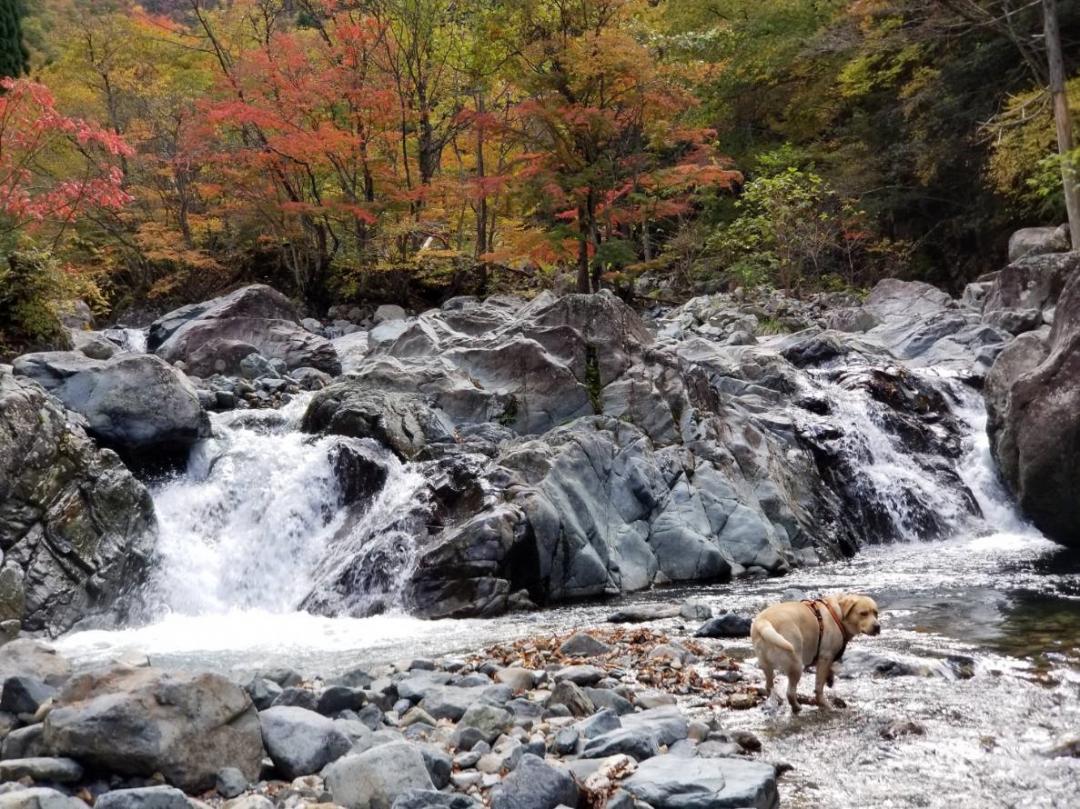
{"points": [[14, 57]]}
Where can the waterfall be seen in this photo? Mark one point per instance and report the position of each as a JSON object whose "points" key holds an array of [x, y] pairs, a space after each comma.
{"points": [[259, 516]]}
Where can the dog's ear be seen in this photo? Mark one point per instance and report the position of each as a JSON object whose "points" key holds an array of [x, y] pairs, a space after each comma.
{"points": [[848, 603]]}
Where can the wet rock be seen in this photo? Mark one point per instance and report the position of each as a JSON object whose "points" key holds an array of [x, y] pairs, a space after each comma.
{"points": [[746, 740], [728, 625], [1033, 407], [77, 529], [598, 724], [535, 784], [666, 723], [694, 609], [636, 742], [301, 742], [643, 613], [339, 698], [39, 798], [24, 695], [669, 782], [388, 311], [53, 770], [134, 403], [25, 657], [565, 741], [256, 316], [376, 778], [160, 797], [144, 721], [582, 644], [901, 727], [402, 422]]}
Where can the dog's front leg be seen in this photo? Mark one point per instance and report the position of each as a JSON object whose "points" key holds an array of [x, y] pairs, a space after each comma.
{"points": [[823, 674]]}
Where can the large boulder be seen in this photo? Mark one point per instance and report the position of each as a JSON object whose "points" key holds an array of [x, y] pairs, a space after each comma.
{"points": [[135, 403], [212, 337], [77, 530], [1033, 403], [1032, 283], [1037, 241], [144, 721], [535, 784]]}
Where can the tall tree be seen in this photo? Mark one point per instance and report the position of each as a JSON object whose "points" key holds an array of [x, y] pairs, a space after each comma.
{"points": [[1062, 121], [14, 57]]}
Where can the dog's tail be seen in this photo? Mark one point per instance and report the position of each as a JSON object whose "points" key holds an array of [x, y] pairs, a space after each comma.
{"points": [[769, 633]]}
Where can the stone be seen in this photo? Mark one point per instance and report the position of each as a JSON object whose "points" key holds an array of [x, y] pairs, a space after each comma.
{"points": [[25, 742], [230, 782], [728, 625], [695, 609], [134, 403], [439, 764], [665, 722], [54, 770], [159, 797], [39, 798], [255, 318], [294, 697], [580, 675], [517, 678], [26, 657], [598, 724], [582, 644], [376, 778], [25, 695], [607, 698], [565, 741], [638, 743], [144, 721], [488, 719], [77, 529], [300, 741], [669, 782], [643, 613], [535, 784], [429, 799], [388, 311], [339, 698], [1038, 240], [571, 696]]}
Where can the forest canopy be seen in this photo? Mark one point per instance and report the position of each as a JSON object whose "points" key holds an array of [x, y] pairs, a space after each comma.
{"points": [[159, 153]]}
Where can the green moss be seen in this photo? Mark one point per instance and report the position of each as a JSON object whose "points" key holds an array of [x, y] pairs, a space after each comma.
{"points": [[592, 378]]}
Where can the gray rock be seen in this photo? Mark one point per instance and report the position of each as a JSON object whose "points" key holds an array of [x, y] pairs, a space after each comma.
{"points": [[337, 698], [293, 697], [572, 698], [24, 695], [439, 764], [1037, 241], [607, 698], [670, 782], [565, 742], [39, 798], [376, 778], [728, 625], [598, 724], [133, 402], [643, 613], [582, 644], [26, 742], [144, 721], [25, 657], [1033, 409], [488, 719], [160, 797], [54, 770], [694, 609], [429, 799], [300, 741], [535, 784], [388, 311], [76, 527], [448, 702], [255, 318], [665, 722], [580, 675], [638, 743], [230, 782]]}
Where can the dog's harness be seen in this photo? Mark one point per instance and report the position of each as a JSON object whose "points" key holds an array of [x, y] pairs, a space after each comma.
{"points": [[812, 605]]}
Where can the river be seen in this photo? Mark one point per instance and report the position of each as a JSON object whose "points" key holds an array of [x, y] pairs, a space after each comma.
{"points": [[989, 621]]}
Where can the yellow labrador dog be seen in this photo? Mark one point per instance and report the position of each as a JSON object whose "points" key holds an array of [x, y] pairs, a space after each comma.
{"points": [[798, 634]]}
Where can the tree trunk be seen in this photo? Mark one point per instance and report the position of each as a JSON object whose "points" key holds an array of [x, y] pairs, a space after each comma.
{"points": [[1061, 118], [583, 252]]}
